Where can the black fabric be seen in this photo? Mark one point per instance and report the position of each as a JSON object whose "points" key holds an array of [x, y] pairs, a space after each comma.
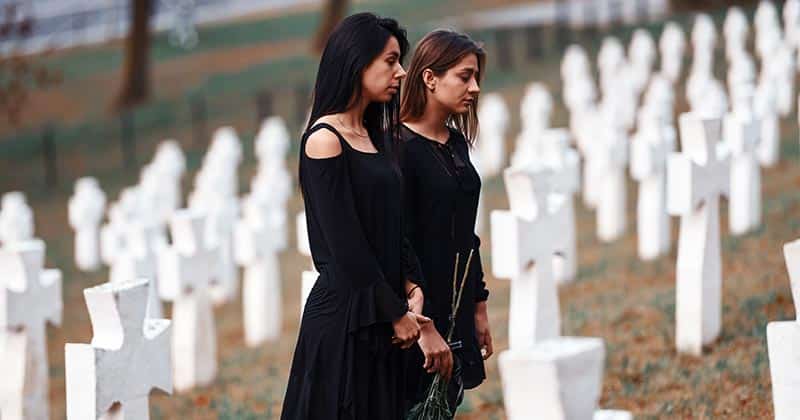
{"points": [[441, 196], [344, 365]]}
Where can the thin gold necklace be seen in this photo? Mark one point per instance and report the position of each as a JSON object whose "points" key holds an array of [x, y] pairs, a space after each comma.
{"points": [[339, 119]]}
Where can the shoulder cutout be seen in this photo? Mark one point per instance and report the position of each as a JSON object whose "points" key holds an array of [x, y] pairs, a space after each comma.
{"points": [[323, 143]]}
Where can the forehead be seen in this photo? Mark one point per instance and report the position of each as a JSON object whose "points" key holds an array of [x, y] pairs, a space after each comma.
{"points": [[392, 46], [468, 62]]}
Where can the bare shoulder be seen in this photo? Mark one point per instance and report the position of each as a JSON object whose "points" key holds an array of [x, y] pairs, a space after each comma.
{"points": [[323, 143]]}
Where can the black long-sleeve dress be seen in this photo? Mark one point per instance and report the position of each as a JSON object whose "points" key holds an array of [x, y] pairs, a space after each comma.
{"points": [[441, 197], [344, 366]]}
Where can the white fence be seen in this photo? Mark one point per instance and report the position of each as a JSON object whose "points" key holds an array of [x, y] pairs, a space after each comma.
{"points": [[56, 24]]}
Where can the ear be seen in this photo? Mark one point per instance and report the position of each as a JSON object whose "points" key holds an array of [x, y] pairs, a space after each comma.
{"points": [[429, 79]]}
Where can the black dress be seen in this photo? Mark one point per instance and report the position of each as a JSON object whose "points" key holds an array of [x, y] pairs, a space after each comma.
{"points": [[344, 366], [441, 197]]}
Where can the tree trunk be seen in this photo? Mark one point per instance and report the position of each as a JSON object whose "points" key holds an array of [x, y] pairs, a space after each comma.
{"points": [[334, 12], [136, 76]]}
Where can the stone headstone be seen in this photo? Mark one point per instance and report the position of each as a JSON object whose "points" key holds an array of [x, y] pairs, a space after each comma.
{"points": [[741, 131], [606, 160], [137, 258], [494, 116], [641, 54], [649, 151], [16, 218], [307, 277], [736, 30], [783, 340], [697, 178], [260, 235], [791, 22], [86, 208], [766, 110], [531, 238], [672, 45], [129, 355], [187, 270], [30, 297]]}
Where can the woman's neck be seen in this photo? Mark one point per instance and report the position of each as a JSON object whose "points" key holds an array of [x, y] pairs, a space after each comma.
{"points": [[432, 123], [353, 118]]}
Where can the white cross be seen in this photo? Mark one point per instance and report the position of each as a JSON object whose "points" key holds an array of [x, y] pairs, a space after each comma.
{"points": [[138, 258], [606, 161], [307, 277], [649, 151], [259, 236], [86, 209], [187, 270], [783, 340], [30, 297], [129, 356], [16, 218], [524, 241], [741, 131], [696, 179]]}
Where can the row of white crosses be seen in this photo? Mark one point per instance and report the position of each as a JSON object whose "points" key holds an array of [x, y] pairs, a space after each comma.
{"points": [[544, 375], [262, 232]]}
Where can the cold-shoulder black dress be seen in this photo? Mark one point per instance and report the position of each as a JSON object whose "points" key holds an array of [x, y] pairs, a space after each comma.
{"points": [[344, 365]]}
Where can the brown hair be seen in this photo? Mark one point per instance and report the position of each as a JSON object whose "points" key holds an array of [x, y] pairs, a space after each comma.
{"points": [[439, 51]]}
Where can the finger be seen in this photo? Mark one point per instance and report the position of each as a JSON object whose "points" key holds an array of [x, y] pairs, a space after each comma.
{"points": [[489, 346], [447, 368], [436, 365], [428, 362], [422, 319]]}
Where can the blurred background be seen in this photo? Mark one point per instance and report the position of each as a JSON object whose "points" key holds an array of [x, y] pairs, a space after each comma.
{"points": [[91, 87]]}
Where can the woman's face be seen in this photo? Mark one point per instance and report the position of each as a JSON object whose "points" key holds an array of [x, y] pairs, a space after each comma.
{"points": [[457, 89], [381, 79]]}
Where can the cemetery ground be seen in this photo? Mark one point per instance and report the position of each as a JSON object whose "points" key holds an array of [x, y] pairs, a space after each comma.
{"points": [[627, 302]]}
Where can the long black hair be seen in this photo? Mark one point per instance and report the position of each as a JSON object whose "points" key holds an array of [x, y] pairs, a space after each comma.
{"points": [[351, 47]]}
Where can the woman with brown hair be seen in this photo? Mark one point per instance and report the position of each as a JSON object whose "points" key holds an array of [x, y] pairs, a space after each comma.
{"points": [[438, 110]]}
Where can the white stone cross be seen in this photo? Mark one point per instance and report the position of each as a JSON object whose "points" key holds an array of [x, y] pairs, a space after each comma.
{"points": [[649, 151], [672, 45], [138, 258], [308, 277], [525, 240], [783, 340], [735, 28], [565, 164], [129, 356], [641, 54], [607, 159], [259, 235], [494, 116], [741, 133], [766, 109], [16, 218], [791, 22], [696, 178], [186, 272], [30, 297], [86, 208], [272, 142]]}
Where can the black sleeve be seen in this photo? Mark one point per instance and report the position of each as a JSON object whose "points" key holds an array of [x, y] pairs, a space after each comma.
{"points": [[412, 269], [476, 269], [328, 187]]}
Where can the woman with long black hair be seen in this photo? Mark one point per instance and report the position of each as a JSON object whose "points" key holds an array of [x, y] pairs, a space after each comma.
{"points": [[349, 359], [442, 187]]}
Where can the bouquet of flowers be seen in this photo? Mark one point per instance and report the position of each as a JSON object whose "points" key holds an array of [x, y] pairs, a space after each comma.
{"points": [[435, 406]]}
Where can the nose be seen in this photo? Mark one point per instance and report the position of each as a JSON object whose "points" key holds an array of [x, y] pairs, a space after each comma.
{"points": [[401, 72], [474, 87]]}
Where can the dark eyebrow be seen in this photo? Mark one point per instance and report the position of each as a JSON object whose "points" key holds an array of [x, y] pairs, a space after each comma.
{"points": [[393, 54]]}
